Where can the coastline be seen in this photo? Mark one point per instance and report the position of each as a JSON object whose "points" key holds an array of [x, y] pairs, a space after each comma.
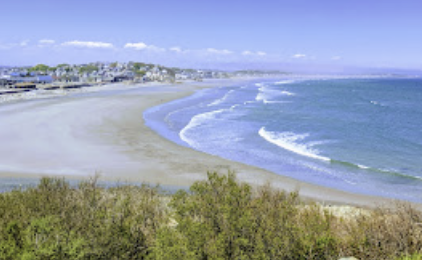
{"points": [[111, 138]]}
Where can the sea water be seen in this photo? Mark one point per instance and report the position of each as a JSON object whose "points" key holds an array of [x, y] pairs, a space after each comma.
{"points": [[358, 135]]}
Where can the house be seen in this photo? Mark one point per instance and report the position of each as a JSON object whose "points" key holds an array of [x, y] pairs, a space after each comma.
{"points": [[44, 79], [3, 82], [180, 76], [107, 78], [129, 74], [207, 74], [73, 78]]}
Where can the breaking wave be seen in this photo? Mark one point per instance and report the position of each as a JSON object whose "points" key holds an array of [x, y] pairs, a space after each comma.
{"points": [[289, 141]]}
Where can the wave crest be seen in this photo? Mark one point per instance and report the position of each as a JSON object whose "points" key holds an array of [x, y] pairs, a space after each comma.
{"points": [[266, 93], [288, 141]]}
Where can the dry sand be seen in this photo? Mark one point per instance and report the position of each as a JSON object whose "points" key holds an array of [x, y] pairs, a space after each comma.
{"points": [[102, 132]]}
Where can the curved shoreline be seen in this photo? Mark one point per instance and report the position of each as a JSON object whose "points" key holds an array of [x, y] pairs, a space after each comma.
{"points": [[111, 137]]}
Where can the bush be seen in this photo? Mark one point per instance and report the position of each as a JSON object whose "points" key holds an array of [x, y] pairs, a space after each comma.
{"points": [[218, 218], [222, 219], [56, 221]]}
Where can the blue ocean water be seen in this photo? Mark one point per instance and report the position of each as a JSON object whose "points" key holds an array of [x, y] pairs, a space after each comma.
{"points": [[358, 135]]}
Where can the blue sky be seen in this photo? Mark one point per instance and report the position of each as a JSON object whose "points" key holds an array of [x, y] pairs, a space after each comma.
{"points": [[267, 33]]}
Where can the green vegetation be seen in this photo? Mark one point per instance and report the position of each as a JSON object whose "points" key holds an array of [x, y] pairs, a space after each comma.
{"points": [[139, 65], [171, 72], [412, 257], [218, 218], [140, 73], [63, 65], [40, 67], [138, 68], [88, 69]]}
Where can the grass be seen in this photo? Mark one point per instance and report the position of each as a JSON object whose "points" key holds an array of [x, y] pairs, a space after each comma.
{"points": [[218, 218]]}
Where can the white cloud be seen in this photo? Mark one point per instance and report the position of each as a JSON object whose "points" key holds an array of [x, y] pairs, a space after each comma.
{"points": [[103, 45], [24, 43], [215, 51], [176, 49], [138, 46], [336, 58], [143, 46], [299, 56], [46, 41], [250, 53]]}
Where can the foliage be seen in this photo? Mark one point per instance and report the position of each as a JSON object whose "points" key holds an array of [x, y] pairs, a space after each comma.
{"points": [[113, 65], [40, 67], [63, 65], [56, 221], [140, 73], [171, 72], [88, 69], [218, 218], [412, 257], [138, 65], [222, 219]]}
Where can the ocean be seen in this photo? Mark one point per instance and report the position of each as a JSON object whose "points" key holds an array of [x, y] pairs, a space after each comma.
{"points": [[357, 135]]}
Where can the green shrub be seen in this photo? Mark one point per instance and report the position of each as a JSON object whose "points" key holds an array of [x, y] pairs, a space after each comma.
{"points": [[218, 218], [221, 219], [57, 221]]}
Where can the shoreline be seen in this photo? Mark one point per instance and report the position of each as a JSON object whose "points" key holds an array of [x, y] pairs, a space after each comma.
{"points": [[116, 142]]}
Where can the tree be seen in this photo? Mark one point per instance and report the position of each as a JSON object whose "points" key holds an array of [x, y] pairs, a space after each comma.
{"points": [[113, 65], [140, 73], [88, 69], [214, 220], [40, 67], [138, 65]]}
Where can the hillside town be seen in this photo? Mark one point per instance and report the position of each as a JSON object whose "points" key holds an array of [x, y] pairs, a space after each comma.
{"points": [[21, 79]]}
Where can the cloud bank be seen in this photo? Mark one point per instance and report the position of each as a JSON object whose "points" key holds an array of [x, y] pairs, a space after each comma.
{"points": [[143, 46], [83, 44]]}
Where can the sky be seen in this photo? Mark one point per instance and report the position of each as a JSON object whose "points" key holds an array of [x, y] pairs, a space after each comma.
{"points": [[233, 34]]}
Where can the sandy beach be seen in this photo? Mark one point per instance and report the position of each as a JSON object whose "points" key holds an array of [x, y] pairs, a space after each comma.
{"points": [[103, 132]]}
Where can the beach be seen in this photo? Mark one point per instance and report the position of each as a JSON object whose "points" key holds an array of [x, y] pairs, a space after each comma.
{"points": [[104, 132]]}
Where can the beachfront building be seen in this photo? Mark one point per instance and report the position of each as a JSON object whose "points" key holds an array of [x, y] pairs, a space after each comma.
{"points": [[182, 76], [44, 79], [4, 82], [103, 72]]}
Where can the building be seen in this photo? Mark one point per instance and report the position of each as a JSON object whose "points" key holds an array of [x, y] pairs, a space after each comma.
{"points": [[4, 82], [44, 79]]}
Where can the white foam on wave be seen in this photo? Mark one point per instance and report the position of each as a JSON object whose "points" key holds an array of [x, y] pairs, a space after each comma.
{"points": [[275, 102], [363, 167], [288, 141], [221, 100], [287, 93], [283, 82], [248, 102], [260, 97], [167, 119], [197, 121], [377, 103], [265, 93]]}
